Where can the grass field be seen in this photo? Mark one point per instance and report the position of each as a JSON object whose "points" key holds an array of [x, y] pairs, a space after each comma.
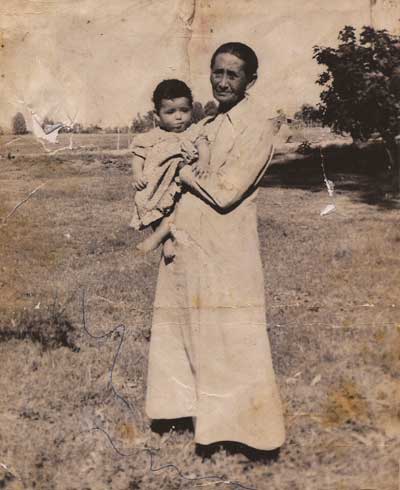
{"points": [[333, 310]]}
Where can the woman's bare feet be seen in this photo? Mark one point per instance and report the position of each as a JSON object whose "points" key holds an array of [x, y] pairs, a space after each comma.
{"points": [[169, 250]]}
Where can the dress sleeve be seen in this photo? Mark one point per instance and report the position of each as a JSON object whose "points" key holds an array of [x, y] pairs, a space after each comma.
{"points": [[142, 142], [197, 131], [242, 169]]}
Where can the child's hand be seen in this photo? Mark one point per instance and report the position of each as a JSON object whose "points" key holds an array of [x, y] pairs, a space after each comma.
{"points": [[139, 182]]}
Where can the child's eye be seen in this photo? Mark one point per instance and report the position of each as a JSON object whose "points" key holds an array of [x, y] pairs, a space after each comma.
{"points": [[185, 109]]}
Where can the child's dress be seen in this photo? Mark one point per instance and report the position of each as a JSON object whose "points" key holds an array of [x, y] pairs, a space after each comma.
{"points": [[162, 151]]}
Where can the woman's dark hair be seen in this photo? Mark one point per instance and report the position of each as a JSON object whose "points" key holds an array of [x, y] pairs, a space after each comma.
{"points": [[171, 89], [243, 52]]}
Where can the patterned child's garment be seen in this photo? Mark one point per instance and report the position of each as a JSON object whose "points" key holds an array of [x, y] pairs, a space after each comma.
{"points": [[162, 152]]}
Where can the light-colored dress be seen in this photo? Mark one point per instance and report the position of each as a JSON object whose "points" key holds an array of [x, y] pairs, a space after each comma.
{"points": [[209, 354], [162, 152]]}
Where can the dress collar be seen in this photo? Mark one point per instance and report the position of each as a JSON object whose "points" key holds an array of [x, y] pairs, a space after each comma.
{"points": [[237, 115], [239, 112]]}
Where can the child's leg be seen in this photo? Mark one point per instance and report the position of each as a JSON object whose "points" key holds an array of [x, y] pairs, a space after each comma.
{"points": [[160, 234]]}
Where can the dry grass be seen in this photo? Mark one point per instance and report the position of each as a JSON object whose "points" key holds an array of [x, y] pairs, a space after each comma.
{"points": [[332, 292]]}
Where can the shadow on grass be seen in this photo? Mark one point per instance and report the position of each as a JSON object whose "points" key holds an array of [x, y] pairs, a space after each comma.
{"points": [[362, 172], [233, 448], [49, 327], [164, 426]]}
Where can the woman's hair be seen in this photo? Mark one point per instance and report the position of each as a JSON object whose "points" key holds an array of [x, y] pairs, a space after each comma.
{"points": [[171, 89], [243, 52]]}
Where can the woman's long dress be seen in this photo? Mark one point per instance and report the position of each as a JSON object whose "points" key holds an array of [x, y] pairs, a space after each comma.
{"points": [[209, 354]]}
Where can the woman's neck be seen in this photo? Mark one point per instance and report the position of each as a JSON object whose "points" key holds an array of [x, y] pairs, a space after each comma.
{"points": [[224, 108]]}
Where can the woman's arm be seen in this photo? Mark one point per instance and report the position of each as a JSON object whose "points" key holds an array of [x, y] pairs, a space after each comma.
{"points": [[201, 166], [243, 168]]}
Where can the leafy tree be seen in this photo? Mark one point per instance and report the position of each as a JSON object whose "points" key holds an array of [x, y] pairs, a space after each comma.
{"points": [[141, 124], [198, 112], [361, 83], [77, 128], [308, 114], [211, 108], [19, 124], [92, 129]]}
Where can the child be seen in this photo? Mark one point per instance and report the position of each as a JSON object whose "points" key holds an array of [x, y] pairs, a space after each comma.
{"points": [[158, 156]]}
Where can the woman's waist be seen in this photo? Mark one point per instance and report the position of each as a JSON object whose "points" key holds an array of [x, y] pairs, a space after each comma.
{"points": [[192, 206], [204, 224]]}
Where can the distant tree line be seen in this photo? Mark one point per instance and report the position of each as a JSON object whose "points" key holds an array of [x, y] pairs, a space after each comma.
{"points": [[140, 124]]}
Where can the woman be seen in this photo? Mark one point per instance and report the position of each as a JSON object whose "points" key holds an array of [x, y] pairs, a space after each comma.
{"points": [[209, 354]]}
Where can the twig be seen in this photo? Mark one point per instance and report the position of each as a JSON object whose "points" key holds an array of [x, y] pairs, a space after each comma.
{"points": [[22, 202]]}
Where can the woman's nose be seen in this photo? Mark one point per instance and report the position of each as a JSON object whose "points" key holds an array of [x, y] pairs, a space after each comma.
{"points": [[223, 82]]}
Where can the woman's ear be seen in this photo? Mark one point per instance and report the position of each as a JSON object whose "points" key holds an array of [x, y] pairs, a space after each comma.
{"points": [[156, 118], [252, 81]]}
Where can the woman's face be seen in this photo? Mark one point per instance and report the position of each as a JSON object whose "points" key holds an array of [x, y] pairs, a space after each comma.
{"points": [[228, 79]]}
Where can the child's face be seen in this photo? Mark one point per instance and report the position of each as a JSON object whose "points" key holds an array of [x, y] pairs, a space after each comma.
{"points": [[175, 114]]}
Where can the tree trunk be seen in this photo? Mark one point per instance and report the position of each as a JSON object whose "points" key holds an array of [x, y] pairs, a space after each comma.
{"points": [[396, 169], [393, 152]]}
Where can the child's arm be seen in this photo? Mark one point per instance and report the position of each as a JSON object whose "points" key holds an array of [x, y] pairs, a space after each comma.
{"points": [[139, 181], [201, 166]]}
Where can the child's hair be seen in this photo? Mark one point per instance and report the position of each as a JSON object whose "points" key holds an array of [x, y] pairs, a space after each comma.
{"points": [[171, 89]]}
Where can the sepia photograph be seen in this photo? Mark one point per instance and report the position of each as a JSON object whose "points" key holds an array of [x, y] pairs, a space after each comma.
{"points": [[200, 244]]}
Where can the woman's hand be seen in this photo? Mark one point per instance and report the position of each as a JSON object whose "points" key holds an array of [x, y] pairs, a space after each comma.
{"points": [[200, 169], [139, 182]]}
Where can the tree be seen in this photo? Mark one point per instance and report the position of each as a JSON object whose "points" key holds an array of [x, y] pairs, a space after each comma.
{"points": [[308, 114], [91, 129], [361, 83], [77, 128], [141, 124], [211, 108], [198, 112], [19, 124]]}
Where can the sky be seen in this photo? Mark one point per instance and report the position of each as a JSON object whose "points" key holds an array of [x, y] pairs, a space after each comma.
{"points": [[98, 61]]}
